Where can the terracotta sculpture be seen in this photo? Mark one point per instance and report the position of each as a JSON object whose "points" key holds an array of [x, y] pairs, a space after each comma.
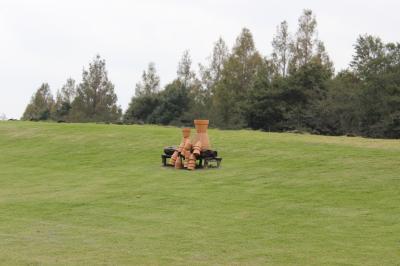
{"points": [[201, 142], [186, 154], [197, 148], [191, 162], [175, 158], [202, 136]]}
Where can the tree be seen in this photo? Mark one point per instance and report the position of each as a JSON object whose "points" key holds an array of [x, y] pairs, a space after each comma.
{"points": [[95, 97], [3, 117], [40, 105], [184, 72], [211, 73], [307, 87], [370, 56], [377, 65], [150, 83], [339, 112], [281, 49], [323, 58], [68, 91], [145, 101], [303, 46], [64, 100], [380, 105], [266, 106], [174, 103], [196, 96], [237, 78], [142, 108]]}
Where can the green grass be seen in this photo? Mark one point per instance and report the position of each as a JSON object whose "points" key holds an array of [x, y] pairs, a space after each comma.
{"points": [[95, 194]]}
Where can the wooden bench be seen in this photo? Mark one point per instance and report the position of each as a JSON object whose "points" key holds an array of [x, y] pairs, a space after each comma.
{"points": [[203, 162]]}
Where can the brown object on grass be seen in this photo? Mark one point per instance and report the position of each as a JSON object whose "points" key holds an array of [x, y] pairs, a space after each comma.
{"points": [[178, 163], [186, 135], [192, 162], [173, 158], [187, 152], [188, 145], [186, 132], [202, 135], [187, 155], [180, 147], [197, 148]]}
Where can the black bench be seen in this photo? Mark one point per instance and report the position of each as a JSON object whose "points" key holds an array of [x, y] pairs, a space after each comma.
{"points": [[164, 158], [204, 162]]}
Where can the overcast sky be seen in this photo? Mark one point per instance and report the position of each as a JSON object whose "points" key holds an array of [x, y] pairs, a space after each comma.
{"points": [[49, 41]]}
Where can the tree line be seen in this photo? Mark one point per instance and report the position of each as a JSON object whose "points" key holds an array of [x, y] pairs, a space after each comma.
{"points": [[295, 88]]}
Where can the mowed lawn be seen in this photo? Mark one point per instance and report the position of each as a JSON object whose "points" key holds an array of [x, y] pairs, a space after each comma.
{"points": [[89, 194]]}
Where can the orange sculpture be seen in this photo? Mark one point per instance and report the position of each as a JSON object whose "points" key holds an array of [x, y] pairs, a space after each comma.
{"points": [[175, 158], [191, 162], [202, 136], [186, 154]]}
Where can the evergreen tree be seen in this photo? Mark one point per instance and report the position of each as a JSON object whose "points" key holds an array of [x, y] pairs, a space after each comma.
{"points": [[64, 100], [323, 58], [377, 65], [307, 87], [174, 103], [40, 105], [95, 97], [150, 83], [236, 81], [146, 100], [266, 106], [141, 109], [339, 112], [210, 75]]}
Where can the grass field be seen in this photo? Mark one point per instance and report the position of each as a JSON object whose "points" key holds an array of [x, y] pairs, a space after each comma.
{"points": [[91, 194]]}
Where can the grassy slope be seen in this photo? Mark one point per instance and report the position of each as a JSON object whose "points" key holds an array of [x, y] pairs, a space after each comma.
{"points": [[91, 194]]}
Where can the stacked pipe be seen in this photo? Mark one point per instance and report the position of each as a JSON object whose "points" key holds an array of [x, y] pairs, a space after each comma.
{"points": [[176, 156], [197, 148], [191, 162], [187, 153], [178, 162]]}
